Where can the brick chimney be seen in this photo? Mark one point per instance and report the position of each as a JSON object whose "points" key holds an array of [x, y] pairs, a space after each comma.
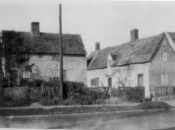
{"points": [[97, 46], [35, 29], [134, 34]]}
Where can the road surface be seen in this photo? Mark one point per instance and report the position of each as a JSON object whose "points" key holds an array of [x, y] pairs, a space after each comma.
{"points": [[151, 121]]}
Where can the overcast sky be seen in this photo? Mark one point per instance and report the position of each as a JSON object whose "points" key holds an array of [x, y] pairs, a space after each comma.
{"points": [[107, 22]]}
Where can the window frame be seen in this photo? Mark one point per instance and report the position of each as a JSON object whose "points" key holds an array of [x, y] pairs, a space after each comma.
{"points": [[140, 79], [95, 81], [164, 56]]}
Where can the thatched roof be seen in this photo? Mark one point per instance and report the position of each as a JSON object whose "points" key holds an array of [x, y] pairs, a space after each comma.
{"points": [[45, 43], [139, 51]]}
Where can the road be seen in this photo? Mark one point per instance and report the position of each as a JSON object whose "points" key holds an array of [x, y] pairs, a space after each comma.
{"points": [[110, 121]]}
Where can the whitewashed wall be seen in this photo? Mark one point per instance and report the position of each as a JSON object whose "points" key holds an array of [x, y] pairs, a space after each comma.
{"points": [[128, 74], [97, 73], [48, 67]]}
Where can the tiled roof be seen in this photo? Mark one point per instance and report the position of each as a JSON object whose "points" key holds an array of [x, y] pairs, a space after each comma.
{"points": [[46, 43], [91, 56], [139, 51], [100, 58]]}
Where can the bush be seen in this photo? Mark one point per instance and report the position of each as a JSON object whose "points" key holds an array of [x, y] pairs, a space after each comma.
{"points": [[77, 93], [135, 94], [16, 96], [33, 83], [51, 83], [34, 94], [45, 101], [115, 92], [48, 94], [153, 105], [74, 93], [5, 83]]}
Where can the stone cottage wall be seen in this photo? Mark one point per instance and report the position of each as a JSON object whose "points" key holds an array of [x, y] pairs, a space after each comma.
{"points": [[121, 76], [101, 74], [128, 76], [47, 66], [162, 68]]}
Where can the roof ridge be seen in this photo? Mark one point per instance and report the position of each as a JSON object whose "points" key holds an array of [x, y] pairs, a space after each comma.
{"points": [[18, 31], [46, 43], [132, 42], [171, 42]]}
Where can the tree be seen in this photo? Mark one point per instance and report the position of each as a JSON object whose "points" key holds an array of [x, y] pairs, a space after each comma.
{"points": [[15, 55]]}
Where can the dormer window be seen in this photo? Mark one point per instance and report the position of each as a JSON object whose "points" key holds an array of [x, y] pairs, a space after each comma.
{"points": [[114, 57]]}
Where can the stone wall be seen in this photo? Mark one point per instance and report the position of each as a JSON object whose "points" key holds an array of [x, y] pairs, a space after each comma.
{"points": [[162, 68], [128, 76], [98, 73], [121, 76], [47, 66]]}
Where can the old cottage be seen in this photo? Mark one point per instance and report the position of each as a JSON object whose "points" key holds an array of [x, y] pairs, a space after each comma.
{"points": [[35, 55], [147, 62]]}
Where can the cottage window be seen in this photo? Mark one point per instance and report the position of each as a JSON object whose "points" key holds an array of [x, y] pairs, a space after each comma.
{"points": [[164, 79], [140, 80], [95, 82], [70, 43], [26, 75], [35, 69], [164, 56]]}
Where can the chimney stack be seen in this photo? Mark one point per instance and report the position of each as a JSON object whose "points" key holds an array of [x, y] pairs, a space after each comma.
{"points": [[97, 46], [35, 29], [134, 34]]}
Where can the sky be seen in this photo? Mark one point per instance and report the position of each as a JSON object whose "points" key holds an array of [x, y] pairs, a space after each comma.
{"points": [[108, 22]]}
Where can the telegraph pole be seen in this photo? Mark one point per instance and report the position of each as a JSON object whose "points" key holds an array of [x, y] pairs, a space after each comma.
{"points": [[61, 52]]}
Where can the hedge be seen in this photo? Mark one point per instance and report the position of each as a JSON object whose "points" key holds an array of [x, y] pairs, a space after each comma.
{"points": [[154, 105], [15, 96], [46, 93], [83, 95], [135, 94]]}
